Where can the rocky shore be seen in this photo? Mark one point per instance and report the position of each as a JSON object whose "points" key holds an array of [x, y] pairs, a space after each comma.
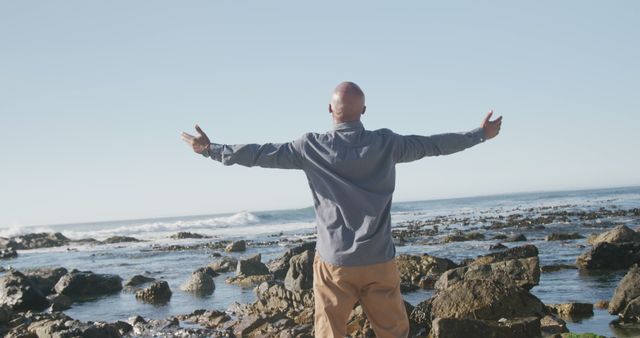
{"points": [[489, 295]]}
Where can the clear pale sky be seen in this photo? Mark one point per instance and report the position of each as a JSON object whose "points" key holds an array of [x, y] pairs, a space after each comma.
{"points": [[94, 95]]}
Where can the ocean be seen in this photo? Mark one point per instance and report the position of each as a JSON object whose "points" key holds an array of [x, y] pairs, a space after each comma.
{"points": [[271, 228]]}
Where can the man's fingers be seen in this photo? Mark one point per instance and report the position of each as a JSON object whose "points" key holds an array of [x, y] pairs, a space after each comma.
{"points": [[199, 130], [486, 119], [187, 138]]}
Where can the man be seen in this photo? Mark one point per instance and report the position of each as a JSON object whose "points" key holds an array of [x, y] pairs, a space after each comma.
{"points": [[351, 173]]}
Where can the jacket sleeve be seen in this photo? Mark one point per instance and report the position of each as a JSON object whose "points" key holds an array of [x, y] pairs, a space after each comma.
{"points": [[409, 148], [269, 155]]}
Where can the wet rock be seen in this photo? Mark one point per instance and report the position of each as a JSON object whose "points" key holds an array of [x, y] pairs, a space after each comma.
{"points": [[18, 293], [57, 324], [280, 266], [552, 325], [40, 240], [571, 310], [497, 246], [601, 304], [86, 284], [524, 273], [121, 239], [557, 267], [200, 283], [208, 270], [484, 299], [300, 274], [138, 280], [237, 246], [186, 234], [456, 328], [524, 251], [225, 264], [249, 323], [157, 293], [8, 253], [462, 237], [248, 281], [619, 234], [251, 266], [516, 238], [207, 318], [563, 236], [273, 297], [59, 302], [6, 244], [626, 299], [610, 256], [422, 271], [45, 279]]}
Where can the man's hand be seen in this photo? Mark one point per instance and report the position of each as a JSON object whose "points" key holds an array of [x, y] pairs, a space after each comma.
{"points": [[200, 144], [491, 128]]}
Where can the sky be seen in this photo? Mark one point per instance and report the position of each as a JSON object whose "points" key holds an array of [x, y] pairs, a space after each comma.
{"points": [[94, 96]]}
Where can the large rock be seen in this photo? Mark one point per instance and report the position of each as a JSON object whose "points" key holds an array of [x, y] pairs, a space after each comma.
{"points": [[46, 278], [185, 235], [524, 273], [138, 280], [40, 240], [20, 294], [8, 253], [619, 234], [200, 283], [457, 328], [280, 266], [422, 271], [626, 299], [571, 310], [518, 252], [237, 246], [610, 256], [251, 266], [225, 264], [157, 293], [59, 325], [121, 239], [300, 274], [481, 299], [563, 236], [8, 244], [86, 284]]}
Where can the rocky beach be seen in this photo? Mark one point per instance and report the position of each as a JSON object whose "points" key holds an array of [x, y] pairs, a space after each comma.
{"points": [[556, 264]]}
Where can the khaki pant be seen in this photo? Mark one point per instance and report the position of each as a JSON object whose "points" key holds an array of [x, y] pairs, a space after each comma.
{"points": [[337, 288]]}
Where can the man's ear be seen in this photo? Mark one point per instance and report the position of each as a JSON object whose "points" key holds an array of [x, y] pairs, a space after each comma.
{"points": [[330, 109], [364, 110]]}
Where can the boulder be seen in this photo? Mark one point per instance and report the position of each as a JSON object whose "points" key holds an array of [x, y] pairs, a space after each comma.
{"points": [[524, 273], [156, 293], [516, 238], [610, 256], [206, 318], [40, 240], [225, 264], [185, 235], [86, 284], [422, 271], [497, 246], [6, 244], [18, 293], [563, 236], [300, 274], [120, 239], [8, 253], [524, 251], [280, 266], [484, 299], [571, 310], [619, 234], [251, 266], [59, 302], [237, 246], [139, 280], [626, 298], [200, 283], [552, 325], [456, 328], [45, 279], [463, 237]]}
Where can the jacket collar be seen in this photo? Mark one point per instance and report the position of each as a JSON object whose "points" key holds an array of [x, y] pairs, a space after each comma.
{"points": [[348, 125]]}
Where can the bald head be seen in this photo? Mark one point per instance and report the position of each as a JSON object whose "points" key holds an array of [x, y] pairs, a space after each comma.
{"points": [[347, 102]]}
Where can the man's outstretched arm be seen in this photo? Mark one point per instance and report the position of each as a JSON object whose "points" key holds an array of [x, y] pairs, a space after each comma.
{"points": [[414, 147], [268, 155]]}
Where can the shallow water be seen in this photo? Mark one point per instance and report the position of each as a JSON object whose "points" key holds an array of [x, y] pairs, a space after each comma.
{"points": [[128, 259]]}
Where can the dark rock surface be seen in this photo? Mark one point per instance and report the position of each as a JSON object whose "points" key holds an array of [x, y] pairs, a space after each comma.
{"points": [[524, 251], [563, 236], [156, 293], [8, 253], [18, 293], [237, 246], [458, 328], [225, 264], [121, 239], [186, 234], [571, 310], [279, 267], [524, 273], [300, 274], [610, 256], [40, 240], [516, 238], [45, 279], [251, 266], [422, 271], [86, 284], [626, 298], [138, 280]]}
